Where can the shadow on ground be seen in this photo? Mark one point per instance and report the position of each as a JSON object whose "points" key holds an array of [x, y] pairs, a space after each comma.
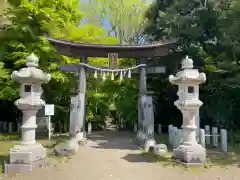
{"points": [[153, 158], [114, 140], [136, 158]]}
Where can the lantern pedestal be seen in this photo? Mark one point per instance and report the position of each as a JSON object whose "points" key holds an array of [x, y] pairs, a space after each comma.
{"points": [[27, 153], [189, 151], [190, 154]]}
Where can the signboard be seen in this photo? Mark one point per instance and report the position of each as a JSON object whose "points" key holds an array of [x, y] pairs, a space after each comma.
{"points": [[49, 109], [112, 60], [156, 69]]}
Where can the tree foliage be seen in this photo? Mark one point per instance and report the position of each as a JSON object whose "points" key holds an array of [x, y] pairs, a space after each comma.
{"points": [[126, 18], [208, 32], [23, 33]]}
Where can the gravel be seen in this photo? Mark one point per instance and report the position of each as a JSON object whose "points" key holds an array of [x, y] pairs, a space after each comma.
{"points": [[113, 156]]}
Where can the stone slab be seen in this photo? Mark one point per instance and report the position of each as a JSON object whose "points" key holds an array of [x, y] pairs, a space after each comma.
{"points": [[26, 154], [207, 133], [18, 127], [174, 137], [68, 148], [194, 154], [10, 127], [23, 168], [159, 129], [224, 143], [89, 128], [215, 136], [5, 127], [160, 149], [20, 157], [149, 145], [202, 138], [170, 135]]}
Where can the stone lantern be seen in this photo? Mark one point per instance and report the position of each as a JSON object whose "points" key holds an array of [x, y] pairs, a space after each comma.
{"points": [[28, 151], [188, 81]]}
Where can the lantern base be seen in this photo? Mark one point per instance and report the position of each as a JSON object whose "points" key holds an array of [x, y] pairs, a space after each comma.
{"points": [[27, 153], [23, 158], [193, 154]]}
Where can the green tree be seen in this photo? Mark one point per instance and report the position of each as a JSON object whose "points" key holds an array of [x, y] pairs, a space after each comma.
{"points": [[29, 20], [207, 31]]}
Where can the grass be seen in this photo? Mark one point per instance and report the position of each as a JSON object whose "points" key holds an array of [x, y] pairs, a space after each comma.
{"points": [[8, 140], [214, 156]]}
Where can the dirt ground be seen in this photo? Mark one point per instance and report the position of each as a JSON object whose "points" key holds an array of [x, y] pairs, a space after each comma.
{"points": [[113, 156]]}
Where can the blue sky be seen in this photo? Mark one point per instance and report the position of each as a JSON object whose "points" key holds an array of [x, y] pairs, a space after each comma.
{"points": [[106, 22]]}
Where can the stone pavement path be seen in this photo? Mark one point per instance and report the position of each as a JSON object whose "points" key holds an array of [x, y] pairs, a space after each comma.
{"points": [[113, 156]]}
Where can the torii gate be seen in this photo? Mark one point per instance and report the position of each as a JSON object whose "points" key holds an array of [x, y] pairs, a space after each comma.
{"points": [[142, 52]]}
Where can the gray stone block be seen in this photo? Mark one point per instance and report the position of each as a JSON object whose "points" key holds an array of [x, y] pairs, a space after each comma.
{"points": [[20, 157], [23, 168], [160, 149], [149, 145], [25, 154], [67, 149], [193, 154]]}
